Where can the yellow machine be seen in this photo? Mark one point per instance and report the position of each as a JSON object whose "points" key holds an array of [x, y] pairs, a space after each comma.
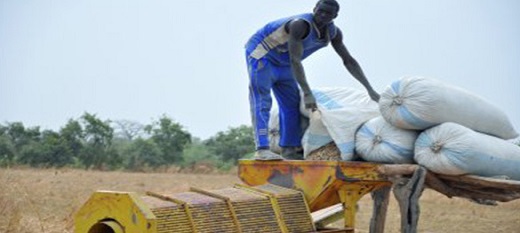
{"points": [[278, 196]]}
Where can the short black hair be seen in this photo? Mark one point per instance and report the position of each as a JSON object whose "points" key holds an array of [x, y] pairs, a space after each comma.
{"points": [[332, 3]]}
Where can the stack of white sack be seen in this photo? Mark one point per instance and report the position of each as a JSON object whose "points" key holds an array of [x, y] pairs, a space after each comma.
{"points": [[379, 141], [453, 149], [341, 111], [420, 103], [463, 133]]}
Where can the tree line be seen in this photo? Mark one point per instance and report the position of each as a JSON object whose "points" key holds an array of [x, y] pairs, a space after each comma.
{"points": [[91, 143]]}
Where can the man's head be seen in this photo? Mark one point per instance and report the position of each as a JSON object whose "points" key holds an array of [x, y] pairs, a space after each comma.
{"points": [[325, 11]]}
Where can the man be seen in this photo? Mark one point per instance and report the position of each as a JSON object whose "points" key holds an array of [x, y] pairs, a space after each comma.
{"points": [[274, 56]]}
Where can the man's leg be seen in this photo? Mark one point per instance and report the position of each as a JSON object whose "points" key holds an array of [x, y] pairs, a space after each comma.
{"points": [[288, 96], [260, 83]]}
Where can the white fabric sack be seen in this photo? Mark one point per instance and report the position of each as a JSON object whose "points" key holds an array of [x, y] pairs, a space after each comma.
{"points": [[379, 141], [274, 131], [316, 134], [453, 149], [420, 103], [341, 112]]}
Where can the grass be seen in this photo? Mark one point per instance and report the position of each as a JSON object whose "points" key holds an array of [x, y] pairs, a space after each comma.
{"points": [[45, 201], [9, 208]]}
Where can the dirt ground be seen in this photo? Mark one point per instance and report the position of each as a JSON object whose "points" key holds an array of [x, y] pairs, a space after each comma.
{"points": [[46, 200]]}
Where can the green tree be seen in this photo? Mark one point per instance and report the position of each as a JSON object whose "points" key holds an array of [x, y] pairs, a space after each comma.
{"points": [[18, 138], [195, 153], [7, 150], [170, 137], [143, 153], [72, 135], [50, 151], [232, 144], [29, 154], [21, 136], [98, 137], [56, 151], [3, 129]]}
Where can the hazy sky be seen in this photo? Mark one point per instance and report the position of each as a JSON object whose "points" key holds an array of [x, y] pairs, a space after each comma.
{"points": [[136, 60]]}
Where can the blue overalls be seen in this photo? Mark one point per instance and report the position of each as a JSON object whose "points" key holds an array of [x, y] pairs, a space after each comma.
{"points": [[269, 68]]}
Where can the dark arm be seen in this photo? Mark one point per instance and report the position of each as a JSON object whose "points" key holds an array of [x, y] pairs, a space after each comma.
{"points": [[297, 31], [351, 64]]}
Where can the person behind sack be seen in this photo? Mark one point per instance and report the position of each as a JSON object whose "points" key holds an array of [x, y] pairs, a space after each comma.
{"points": [[274, 58]]}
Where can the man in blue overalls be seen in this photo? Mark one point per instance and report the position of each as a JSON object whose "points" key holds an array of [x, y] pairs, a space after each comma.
{"points": [[274, 57]]}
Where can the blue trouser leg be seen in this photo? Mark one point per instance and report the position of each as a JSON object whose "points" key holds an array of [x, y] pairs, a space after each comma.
{"points": [[287, 95], [260, 82], [263, 77]]}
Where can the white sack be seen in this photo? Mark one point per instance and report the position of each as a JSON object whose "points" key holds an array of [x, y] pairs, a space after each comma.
{"points": [[420, 103], [379, 141], [341, 112], [453, 149], [316, 134], [274, 131]]}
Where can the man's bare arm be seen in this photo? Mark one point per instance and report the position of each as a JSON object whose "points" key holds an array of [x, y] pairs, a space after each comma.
{"points": [[351, 64], [297, 30]]}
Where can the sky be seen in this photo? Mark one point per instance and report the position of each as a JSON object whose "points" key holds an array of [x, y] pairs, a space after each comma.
{"points": [[138, 60]]}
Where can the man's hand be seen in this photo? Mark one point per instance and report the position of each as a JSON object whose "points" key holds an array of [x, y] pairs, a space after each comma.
{"points": [[374, 95], [310, 102]]}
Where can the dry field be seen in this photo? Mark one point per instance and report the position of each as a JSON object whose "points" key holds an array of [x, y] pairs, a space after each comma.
{"points": [[46, 200]]}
